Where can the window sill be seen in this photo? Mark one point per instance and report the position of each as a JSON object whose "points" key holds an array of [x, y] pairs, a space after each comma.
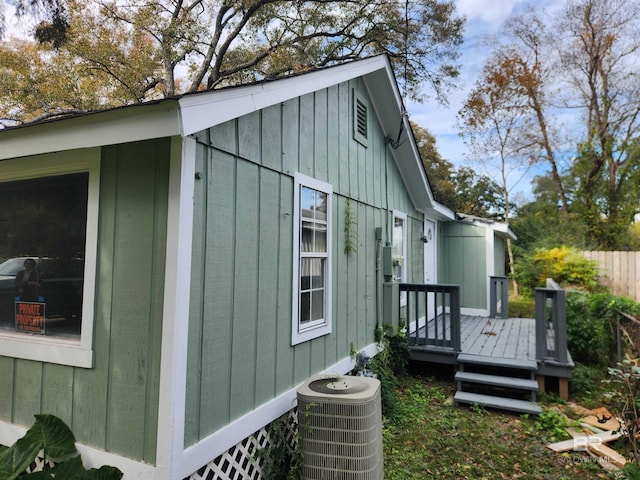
{"points": [[59, 351], [311, 333]]}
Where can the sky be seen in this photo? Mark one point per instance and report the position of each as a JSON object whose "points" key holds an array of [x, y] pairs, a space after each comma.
{"points": [[484, 18]]}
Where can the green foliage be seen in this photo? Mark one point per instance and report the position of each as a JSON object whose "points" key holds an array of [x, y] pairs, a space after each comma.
{"points": [[591, 320], [282, 457], [565, 265], [588, 336], [390, 365], [51, 436], [522, 307], [553, 423], [350, 229], [585, 381]]}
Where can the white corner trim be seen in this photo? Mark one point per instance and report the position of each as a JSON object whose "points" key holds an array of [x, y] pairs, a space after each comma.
{"points": [[173, 366], [209, 448]]}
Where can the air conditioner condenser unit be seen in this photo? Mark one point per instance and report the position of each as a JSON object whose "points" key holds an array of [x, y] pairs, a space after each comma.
{"points": [[340, 425]]}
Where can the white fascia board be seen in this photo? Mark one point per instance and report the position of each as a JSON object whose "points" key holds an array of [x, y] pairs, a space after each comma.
{"points": [[389, 108], [207, 109], [122, 125], [503, 230], [443, 212]]}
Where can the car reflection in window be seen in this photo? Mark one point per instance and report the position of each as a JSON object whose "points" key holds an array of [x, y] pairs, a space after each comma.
{"points": [[61, 284]]}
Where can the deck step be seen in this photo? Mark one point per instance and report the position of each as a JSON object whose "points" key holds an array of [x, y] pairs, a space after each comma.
{"points": [[498, 381], [490, 401], [514, 363]]}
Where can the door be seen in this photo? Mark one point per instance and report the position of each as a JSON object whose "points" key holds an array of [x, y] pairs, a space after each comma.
{"points": [[430, 277]]}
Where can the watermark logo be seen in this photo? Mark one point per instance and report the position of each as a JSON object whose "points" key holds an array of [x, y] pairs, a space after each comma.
{"points": [[581, 444]]}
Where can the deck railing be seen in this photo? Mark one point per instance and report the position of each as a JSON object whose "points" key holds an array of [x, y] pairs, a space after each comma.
{"points": [[432, 313], [551, 323], [498, 297]]}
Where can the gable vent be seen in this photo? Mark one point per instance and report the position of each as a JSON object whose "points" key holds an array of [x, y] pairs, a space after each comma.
{"points": [[360, 119]]}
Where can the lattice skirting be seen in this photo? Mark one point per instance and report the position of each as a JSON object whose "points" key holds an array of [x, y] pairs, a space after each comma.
{"points": [[244, 460], [40, 464]]}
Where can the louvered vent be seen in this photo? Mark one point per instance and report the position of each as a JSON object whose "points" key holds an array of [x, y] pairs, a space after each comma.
{"points": [[361, 118], [340, 425]]}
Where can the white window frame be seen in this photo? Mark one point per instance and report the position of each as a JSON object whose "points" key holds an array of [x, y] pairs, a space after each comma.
{"points": [[63, 351], [301, 334], [403, 267]]}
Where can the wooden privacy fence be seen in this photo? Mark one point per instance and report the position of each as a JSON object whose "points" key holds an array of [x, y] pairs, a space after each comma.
{"points": [[620, 271]]}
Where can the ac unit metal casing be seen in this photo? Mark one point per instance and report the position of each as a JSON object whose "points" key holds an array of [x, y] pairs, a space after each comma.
{"points": [[340, 425]]}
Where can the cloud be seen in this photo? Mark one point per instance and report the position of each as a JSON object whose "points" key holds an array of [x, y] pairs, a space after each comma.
{"points": [[490, 12]]}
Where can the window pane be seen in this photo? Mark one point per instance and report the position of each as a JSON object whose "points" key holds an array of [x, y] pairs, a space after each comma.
{"points": [[317, 280], [321, 239], [42, 241], [317, 305], [306, 241], [307, 202], [305, 273], [305, 308], [321, 206], [398, 236]]}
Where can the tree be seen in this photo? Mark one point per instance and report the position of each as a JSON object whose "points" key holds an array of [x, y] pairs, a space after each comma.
{"points": [[599, 55], [208, 44], [581, 62], [462, 190]]}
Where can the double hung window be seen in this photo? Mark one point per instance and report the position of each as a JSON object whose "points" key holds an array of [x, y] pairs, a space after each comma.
{"points": [[312, 259]]}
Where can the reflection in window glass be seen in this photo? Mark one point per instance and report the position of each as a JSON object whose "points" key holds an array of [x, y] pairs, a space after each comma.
{"points": [[43, 225]]}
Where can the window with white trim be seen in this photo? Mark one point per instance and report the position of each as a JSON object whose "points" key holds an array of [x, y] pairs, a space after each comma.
{"points": [[48, 238], [399, 250], [312, 259]]}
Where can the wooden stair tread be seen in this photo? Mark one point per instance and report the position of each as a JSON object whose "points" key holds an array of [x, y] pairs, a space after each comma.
{"points": [[514, 363], [522, 406], [497, 381]]}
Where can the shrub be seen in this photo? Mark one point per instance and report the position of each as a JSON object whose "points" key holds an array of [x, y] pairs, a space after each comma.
{"points": [[567, 266], [591, 320]]}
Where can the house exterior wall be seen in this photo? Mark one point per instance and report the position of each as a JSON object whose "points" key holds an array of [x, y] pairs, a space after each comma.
{"points": [[464, 262], [240, 352], [112, 406]]}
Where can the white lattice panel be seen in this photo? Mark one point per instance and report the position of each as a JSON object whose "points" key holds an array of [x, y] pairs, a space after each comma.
{"points": [[243, 462]]}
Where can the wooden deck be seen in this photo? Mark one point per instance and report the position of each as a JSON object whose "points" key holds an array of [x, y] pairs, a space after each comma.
{"points": [[499, 338], [513, 338]]}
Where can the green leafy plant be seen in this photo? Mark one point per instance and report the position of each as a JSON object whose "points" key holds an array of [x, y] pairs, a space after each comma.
{"points": [[390, 364], [282, 458], [553, 423], [350, 234], [50, 438]]}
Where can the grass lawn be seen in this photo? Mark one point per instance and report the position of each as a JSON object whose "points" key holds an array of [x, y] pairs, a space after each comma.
{"points": [[426, 437]]}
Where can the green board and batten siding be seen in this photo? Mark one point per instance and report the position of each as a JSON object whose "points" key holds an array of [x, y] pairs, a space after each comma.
{"points": [[463, 261], [112, 406], [240, 352]]}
